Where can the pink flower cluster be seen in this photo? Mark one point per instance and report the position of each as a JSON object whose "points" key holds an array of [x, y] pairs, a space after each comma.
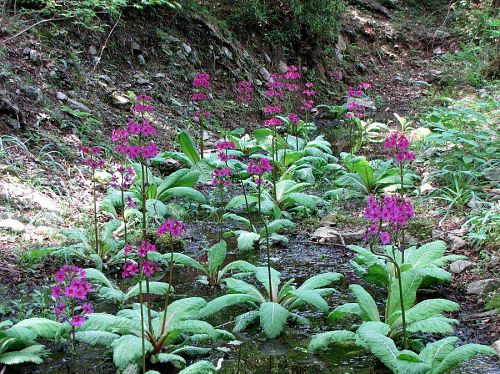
{"points": [[293, 118], [145, 248], [221, 176], [202, 80], [274, 87], [173, 227], [245, 91], [308, 102], [272, 109], [143, 104], [309, 89], [125, 179], [337, 75], [373, 233], [397, 145], [131, 269], [355, 110], [223, 146], [259, 167], [292, 72], [393, 210], [92, 157], [70, 289], [358, 92], [131, 141]]}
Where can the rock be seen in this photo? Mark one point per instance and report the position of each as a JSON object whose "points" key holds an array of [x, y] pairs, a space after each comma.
{"points": [[456, 243], [92, 50], [361, 67], [10, 224], [258, 82], [14, 115], [33, 93], [25, 197], [103, 177], [483, 94], [399, 79], [265, 74], [460, 266], [431, 152], [227, 53], [496, 347], [440, 34], [172, 39], [419, 83], [120, 100], [267, 58], [61, 96], [105, 78], [438, 51], [186, 49], [482, 287], [33, 55], [246, 56], [364, 102], [340, 48], [160, 75], [143, 81], [78, 106], [282, 68], [135, 47], [141, 59], [437, 233], [175, 101], [326, 234]]}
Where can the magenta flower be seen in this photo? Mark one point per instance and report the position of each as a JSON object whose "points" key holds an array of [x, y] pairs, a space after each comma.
{"points": [[271, 122], [144, 248], [293, 118], [397, 146], [149, 268], [124, 179], [270, 109], [130, 269], [223, 145], [173, 227], [245, 91], [77, 321], [92, 157], [337, 75], [87, 308], [221, 176], [385, 237], [364, 86], [352, 92], [202, 80], [259, 167], [292, 72]]}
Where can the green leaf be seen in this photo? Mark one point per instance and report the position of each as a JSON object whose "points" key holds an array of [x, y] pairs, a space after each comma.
{"points": [[216, 256], [222, 302], [242, 321], [410, 281], [180, 310], [98, 277], [200, 367], [155, 288], [109, 323], [128, 350], [311, 297], [187, 193], [193, 327], [433, 325], [408, 362], [381, 346], [345, 310], [102, 338], [462, 354], [324, 339], [426, 309], [272, 318], [262, 275], [239, 265], [240, 286], [166, 358], [320, 280], [188, 146], [426, 254], [434, 353], [30, 354], [276, 226], [367, 305], [112, 294], [43, 327], [247, 240]]}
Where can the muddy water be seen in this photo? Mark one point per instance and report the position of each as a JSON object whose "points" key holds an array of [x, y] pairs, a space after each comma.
{"points": [[300, 259]]}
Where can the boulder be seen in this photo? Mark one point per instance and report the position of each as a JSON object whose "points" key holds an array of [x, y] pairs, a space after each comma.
{"points": [[282, 68], [10, 224], [186, 49], [340, 48], [482, 287], [456, 243], [496, 347], [460, 266], [61, 96], [119, 100], [265, 74]]}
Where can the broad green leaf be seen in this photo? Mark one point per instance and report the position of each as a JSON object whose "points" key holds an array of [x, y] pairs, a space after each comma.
{"points": [[128, 350], [410, 281], [262, 275], [43, 327], [216, 256], [381, 346], [434, 353], [345, 310], [324, 339], [188, 146], [311, 297], [222, 302], [102, 338], [98, 277], [367, 305], [242, 321], [200, 367], [247, 240], [433, 325], [187, 193], [31, 354], [109, 323], [272, 318], [240, 286], [461, 354], [155, 288], [320, 280], [426, 309]]}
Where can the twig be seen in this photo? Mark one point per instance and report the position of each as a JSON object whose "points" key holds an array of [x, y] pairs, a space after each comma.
{"points": [[36, 24], [106, 41]]}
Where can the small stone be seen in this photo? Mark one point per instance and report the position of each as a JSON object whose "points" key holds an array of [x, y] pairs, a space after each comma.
{"points": [[61, 96], [92, 50], [246, 55], [438, 51], [340, 48], [160, 75], [135, 46], [282, 68], [142, 81], [227, 53], [33, 55], [267, 58], [186, 49], [361, 67], [364, 102], [258, 82], [120, 100], [482, 287], [175, 101], [265, 74], [141, 59], [483, 94], [419, 83], [440, 34], [398, 78], [172, 39], [430, 152], [496, 347], [10, 224], [437, 233], [78, 105], [456, 243], [33, 93], [460, 266]]}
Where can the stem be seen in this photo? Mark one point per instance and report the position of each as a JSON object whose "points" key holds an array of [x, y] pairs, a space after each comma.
{"points": [[95, 215], [275, 159], [73, 350], [202, 146], [123, 215], [402, 239], [170, 276], [141, 302], [268, 252]]}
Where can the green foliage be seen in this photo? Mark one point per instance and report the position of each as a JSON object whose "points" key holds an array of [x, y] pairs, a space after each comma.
{"points": [[287, 24]]}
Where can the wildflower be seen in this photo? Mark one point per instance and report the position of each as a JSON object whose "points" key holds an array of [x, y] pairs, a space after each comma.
{"points": [[309, 91], [364, 86], [87, 308], [245, 91], [127, 249], [60, 309], [385, 237], [173, 227], [145, 247], [223, 145], [77, 320], [130, 202], [149, 268], [337, 75], [397, 146], [129, 269], [307, 105], [92, 157], [149, 151], [270, 109], [125, 179], [270, 122], [293, 118], [221, 176], [292, 72], [352, 92], [202, 80], [259, 167]]}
